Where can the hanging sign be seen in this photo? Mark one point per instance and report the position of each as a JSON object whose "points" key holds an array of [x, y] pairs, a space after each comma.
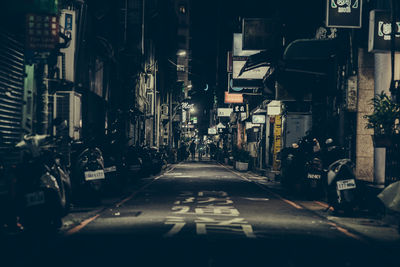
{"points": [[233, 98], [212, 131], [258, 119], [239, 108], [344, 13], [380, 30], [224, 112]]}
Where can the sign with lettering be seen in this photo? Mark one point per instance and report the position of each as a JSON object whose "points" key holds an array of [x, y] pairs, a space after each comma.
{"points": [[41, 32], [277, 141], [224, 112], [239, 108], [233, 98], [344, 13], [380, 30]]}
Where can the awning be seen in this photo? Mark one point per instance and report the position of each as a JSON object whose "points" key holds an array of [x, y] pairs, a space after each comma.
{"points": [[311, 49], [310, 57], [261, 59]]}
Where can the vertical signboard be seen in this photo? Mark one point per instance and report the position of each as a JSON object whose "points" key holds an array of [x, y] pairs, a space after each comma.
{"points": [[344, 13], [277, 140], [380, 30], [41, 32], [67, 64]]}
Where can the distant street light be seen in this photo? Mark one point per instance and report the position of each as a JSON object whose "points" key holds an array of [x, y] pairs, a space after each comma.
{"points": [[181, 53]]}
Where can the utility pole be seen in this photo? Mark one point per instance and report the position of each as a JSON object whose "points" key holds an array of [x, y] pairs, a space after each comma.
{"points": [[42, 111]]}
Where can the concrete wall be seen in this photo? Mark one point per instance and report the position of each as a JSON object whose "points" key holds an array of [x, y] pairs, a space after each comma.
{"points": [[365, 149]]}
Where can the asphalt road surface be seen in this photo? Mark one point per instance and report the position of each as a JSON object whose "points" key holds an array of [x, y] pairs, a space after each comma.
{"points": [[206, 214]]}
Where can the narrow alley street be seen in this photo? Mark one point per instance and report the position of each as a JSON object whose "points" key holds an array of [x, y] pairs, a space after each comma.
{"points": [[207, 214]]}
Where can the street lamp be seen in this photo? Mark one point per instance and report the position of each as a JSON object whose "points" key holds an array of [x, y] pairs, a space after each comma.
{"points": [[181, 53]]}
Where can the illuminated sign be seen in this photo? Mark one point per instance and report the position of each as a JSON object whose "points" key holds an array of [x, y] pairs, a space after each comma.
{"points": [[224, 112], [233, 98], [212, 131], [239, 108], [41, 32], [258, 119]]}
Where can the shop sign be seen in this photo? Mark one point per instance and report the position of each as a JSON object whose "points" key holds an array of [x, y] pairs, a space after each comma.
{"points": [[41, 32], [244, 86], [257, 73], [212, 131], [250, 125], [277, 140], [238, 47], [274, 108], [380, 30], [261, 33], [258, 119], [239, 108], [344, 13], [224, 112], [233, 98]]}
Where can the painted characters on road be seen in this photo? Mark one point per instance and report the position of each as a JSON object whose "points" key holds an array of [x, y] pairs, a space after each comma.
{"points": [[212, 212]]}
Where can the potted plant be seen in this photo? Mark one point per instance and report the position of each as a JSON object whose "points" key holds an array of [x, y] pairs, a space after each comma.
{"points": [[384, 120], [242, 159]]}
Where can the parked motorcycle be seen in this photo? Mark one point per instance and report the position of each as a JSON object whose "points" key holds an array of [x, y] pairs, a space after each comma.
{"points": [[157, 159], [342, 186], [7, 197], [291, 162], [134, 163], [115, 168], [314, 180], [88, 174], [42, 194], [314, 175]]}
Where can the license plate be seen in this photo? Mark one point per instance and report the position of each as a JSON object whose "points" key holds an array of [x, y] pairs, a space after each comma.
{"points": [[314, 176], [35, 198], [94, 175], [346, 184], [110, 169]]}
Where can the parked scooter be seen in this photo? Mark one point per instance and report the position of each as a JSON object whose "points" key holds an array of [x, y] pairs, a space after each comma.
{"points": [[342, 186], [313, 178], [157, 160], [88, 174], [42, 198], [134, 163], [115, 168]]}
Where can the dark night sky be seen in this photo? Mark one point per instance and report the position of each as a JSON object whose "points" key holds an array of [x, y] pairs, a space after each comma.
{"points": [[214, 21]]}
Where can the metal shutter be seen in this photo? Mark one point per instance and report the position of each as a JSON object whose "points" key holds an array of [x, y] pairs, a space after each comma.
{"points": [[11, 94]]}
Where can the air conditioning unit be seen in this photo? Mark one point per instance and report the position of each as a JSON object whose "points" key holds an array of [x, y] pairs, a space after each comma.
{"points": [[67, 106]]}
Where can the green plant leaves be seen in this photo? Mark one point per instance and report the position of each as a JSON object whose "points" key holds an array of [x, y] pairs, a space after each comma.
{"points": [[384, 119]]}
